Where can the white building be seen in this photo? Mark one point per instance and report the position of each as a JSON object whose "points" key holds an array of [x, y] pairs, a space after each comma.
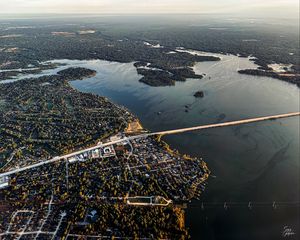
{"points": [[108, 151], [4, 182], [72, 159]]}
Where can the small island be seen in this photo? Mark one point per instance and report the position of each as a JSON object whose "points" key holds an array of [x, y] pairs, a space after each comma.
{"points": [[166, 69], [156, 77], [77, 73], [199, 94]]}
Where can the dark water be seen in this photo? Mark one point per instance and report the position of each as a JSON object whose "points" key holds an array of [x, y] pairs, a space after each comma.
{"points": [[257, 162]]}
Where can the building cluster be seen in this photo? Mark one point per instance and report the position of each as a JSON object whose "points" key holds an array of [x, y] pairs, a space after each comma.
{"points": [[43, 117], [133, 172]]}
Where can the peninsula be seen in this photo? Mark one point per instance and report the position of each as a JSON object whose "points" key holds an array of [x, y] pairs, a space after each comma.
{"points": [[135, 180]]}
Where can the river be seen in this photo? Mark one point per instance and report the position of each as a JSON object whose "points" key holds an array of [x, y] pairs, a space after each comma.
{"points": [[257, 163]]}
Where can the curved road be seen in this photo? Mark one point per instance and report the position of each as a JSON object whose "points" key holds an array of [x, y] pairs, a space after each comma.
{"points": [[216, 125]]}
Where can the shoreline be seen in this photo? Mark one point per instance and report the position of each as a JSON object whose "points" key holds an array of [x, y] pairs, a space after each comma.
{"points": [[157, 184], [129, 129], [159, 76]]}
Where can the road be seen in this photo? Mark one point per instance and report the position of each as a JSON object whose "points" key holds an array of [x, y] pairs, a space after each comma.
{"points": [[145, 135]]}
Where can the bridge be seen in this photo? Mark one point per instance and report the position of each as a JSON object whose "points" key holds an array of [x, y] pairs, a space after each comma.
{"points": [[145, 135], [226, 124]]}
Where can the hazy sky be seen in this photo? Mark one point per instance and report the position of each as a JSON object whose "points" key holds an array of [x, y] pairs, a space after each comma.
{"points": [[260, 7]]}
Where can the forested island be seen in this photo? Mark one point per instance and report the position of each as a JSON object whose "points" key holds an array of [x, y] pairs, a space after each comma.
{"points": [[157, 77], [199, 94]]}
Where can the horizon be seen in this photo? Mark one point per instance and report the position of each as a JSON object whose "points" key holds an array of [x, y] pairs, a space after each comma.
{"points": [[294, 20], [244, 8]]}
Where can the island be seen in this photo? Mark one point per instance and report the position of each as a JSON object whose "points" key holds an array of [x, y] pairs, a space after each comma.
{"points": [[77, 73], [199, 94], [159, 74]]}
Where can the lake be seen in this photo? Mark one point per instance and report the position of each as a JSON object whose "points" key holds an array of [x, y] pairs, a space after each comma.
{"points": [[257, 163]]}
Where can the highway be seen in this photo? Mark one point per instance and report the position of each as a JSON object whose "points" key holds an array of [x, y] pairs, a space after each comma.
{"points": [[168, 132]]}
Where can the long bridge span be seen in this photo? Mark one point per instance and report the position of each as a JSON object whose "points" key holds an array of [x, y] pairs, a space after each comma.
{"points": [[226, 124], [144, 135]]}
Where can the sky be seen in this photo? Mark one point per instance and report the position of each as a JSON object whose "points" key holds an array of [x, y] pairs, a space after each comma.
{"points": [[280, 8]]}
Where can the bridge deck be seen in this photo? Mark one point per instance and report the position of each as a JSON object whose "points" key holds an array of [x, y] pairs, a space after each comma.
{"points": [[176, 131]]}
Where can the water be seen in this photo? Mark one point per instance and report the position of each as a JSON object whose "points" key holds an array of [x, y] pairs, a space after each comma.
{"points": [[258, 162]]}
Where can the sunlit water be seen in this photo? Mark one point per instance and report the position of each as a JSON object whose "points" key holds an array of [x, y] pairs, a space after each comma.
{"points": [[257, 162]]}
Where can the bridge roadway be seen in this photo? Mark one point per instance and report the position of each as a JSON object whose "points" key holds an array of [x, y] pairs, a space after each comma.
{"points": [[176, 131]]}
